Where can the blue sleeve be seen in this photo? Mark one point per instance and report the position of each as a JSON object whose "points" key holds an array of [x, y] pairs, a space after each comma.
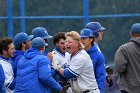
{"points": [[68, 74], [45, 76], [100, 73], [53, 72], [14, 64], [2, 77], [46, 52]]}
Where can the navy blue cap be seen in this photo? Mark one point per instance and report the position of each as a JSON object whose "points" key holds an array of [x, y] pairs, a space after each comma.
{"points": [[21, 38], [85, 33], [41, 32], [135, 28], [95, 26], [38, 42]]}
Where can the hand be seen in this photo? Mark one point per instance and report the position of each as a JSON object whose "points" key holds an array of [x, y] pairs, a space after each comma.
{"points": [[109, 81], [50, 56], [55, 65], [109, 70]]}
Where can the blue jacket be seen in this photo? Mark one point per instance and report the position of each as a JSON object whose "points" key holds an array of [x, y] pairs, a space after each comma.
{"points": [[99, 66], [2, 78], [18, 54], [34, 74], [46, 52]]}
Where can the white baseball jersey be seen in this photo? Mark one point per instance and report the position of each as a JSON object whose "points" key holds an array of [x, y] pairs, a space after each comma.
{"points": [[81, 66], [61, 59], [8, 71]]}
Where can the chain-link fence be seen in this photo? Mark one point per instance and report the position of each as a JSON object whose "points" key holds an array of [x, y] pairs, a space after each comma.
{"points": [[65, 15]]}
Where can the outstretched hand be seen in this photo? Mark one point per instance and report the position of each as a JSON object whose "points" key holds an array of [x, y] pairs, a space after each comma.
{"points": [[56, 65]]}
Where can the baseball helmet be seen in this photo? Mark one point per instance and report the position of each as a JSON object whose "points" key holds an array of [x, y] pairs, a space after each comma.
{"points": [[135, 28], [85, 33], [41, 32], [95, 27]]}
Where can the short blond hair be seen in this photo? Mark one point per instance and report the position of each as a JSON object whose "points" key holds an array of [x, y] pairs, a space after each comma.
{"points": [[76, 37]]}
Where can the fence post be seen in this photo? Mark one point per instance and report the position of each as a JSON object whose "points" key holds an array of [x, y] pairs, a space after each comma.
{"points": [[9, 18], [22, 19], [86, 16]]}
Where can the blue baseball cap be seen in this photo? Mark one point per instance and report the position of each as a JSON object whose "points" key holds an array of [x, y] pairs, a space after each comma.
{"points": [[95, 26], [41, 32], [135, 28], [85, 33], [21, 38], [38, 42]]}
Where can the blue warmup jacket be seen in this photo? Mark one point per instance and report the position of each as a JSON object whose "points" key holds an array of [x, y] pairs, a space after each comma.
{"points": [[46, 52], [99, 66], [53, 72], [34, 74], [2, 79], [18, 54]]}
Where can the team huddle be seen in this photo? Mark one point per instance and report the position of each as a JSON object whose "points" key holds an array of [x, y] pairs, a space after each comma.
{"points": [[76, 64]]}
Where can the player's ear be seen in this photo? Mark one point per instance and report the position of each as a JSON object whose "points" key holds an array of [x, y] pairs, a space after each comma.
{"points": [[56, 44]]}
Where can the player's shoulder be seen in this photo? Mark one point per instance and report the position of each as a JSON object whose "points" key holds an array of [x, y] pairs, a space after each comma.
{"points": [[54, 52], [42, 57], [2, 61], [82, 56], [126, 45]]}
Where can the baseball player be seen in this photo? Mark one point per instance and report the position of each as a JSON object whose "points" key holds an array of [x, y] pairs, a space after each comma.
{"points": [[2, 79], [22, 42], [6, 52], [96, 56], [98, 30], [80, 69], [43, 33], [34, 71], [61, 56]]}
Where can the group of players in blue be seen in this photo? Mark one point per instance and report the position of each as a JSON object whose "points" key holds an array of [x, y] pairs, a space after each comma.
{"points": [[76, 61]]}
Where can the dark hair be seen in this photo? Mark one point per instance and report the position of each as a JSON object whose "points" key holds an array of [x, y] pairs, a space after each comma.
{"points": [[135, 34], [92, 40], [4, 42], [58, 36], [19, 47]]}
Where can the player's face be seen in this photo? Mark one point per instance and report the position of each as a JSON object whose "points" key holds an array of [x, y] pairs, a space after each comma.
{"points": [[27, 44], [61, 45], [72, 46], [87, 42], [10, 50], [100, 36]]}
